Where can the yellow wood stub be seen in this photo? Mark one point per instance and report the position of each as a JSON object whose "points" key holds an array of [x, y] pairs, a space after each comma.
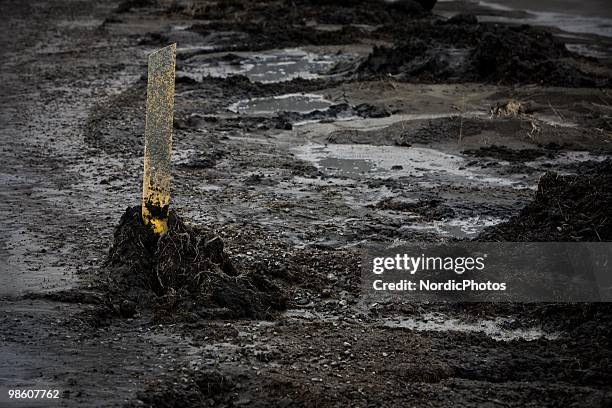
{"points": [[158, 139]]}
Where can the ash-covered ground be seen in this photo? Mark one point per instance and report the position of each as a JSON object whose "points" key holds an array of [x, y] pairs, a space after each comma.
{"points": [[304, 131]]}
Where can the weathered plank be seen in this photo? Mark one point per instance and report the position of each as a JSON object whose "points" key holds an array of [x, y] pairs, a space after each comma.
{"points": [[158, 139]]}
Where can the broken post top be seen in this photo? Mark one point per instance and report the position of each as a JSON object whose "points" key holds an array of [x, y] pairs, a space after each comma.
{"points": [[158, 138]]}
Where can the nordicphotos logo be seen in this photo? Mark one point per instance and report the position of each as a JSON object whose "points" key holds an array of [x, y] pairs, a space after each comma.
{"points": [[407, 264], [469, 271]]}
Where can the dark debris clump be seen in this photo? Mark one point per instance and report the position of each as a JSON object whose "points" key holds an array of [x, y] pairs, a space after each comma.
{"points": [[461, 49], [184, 272], [565, 208]]}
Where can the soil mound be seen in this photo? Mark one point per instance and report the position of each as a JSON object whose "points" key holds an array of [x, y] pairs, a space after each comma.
{"points": [[462, 50], [298, 12], [565, 208], [255, 25], [185, 271], [506, 154]]}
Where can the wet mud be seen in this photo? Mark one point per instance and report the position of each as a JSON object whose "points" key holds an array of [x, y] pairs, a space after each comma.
{"points": [[304, 131]]}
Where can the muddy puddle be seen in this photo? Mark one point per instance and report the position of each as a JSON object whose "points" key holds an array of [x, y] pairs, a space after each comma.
{"points": [[455, 227], [433, 170], [296, 102], [361, 123], [500, 329], [264, 67], [420, 163]]}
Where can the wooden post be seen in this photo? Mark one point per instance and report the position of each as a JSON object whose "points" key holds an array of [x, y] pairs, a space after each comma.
{"points": [[158, 139]]}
